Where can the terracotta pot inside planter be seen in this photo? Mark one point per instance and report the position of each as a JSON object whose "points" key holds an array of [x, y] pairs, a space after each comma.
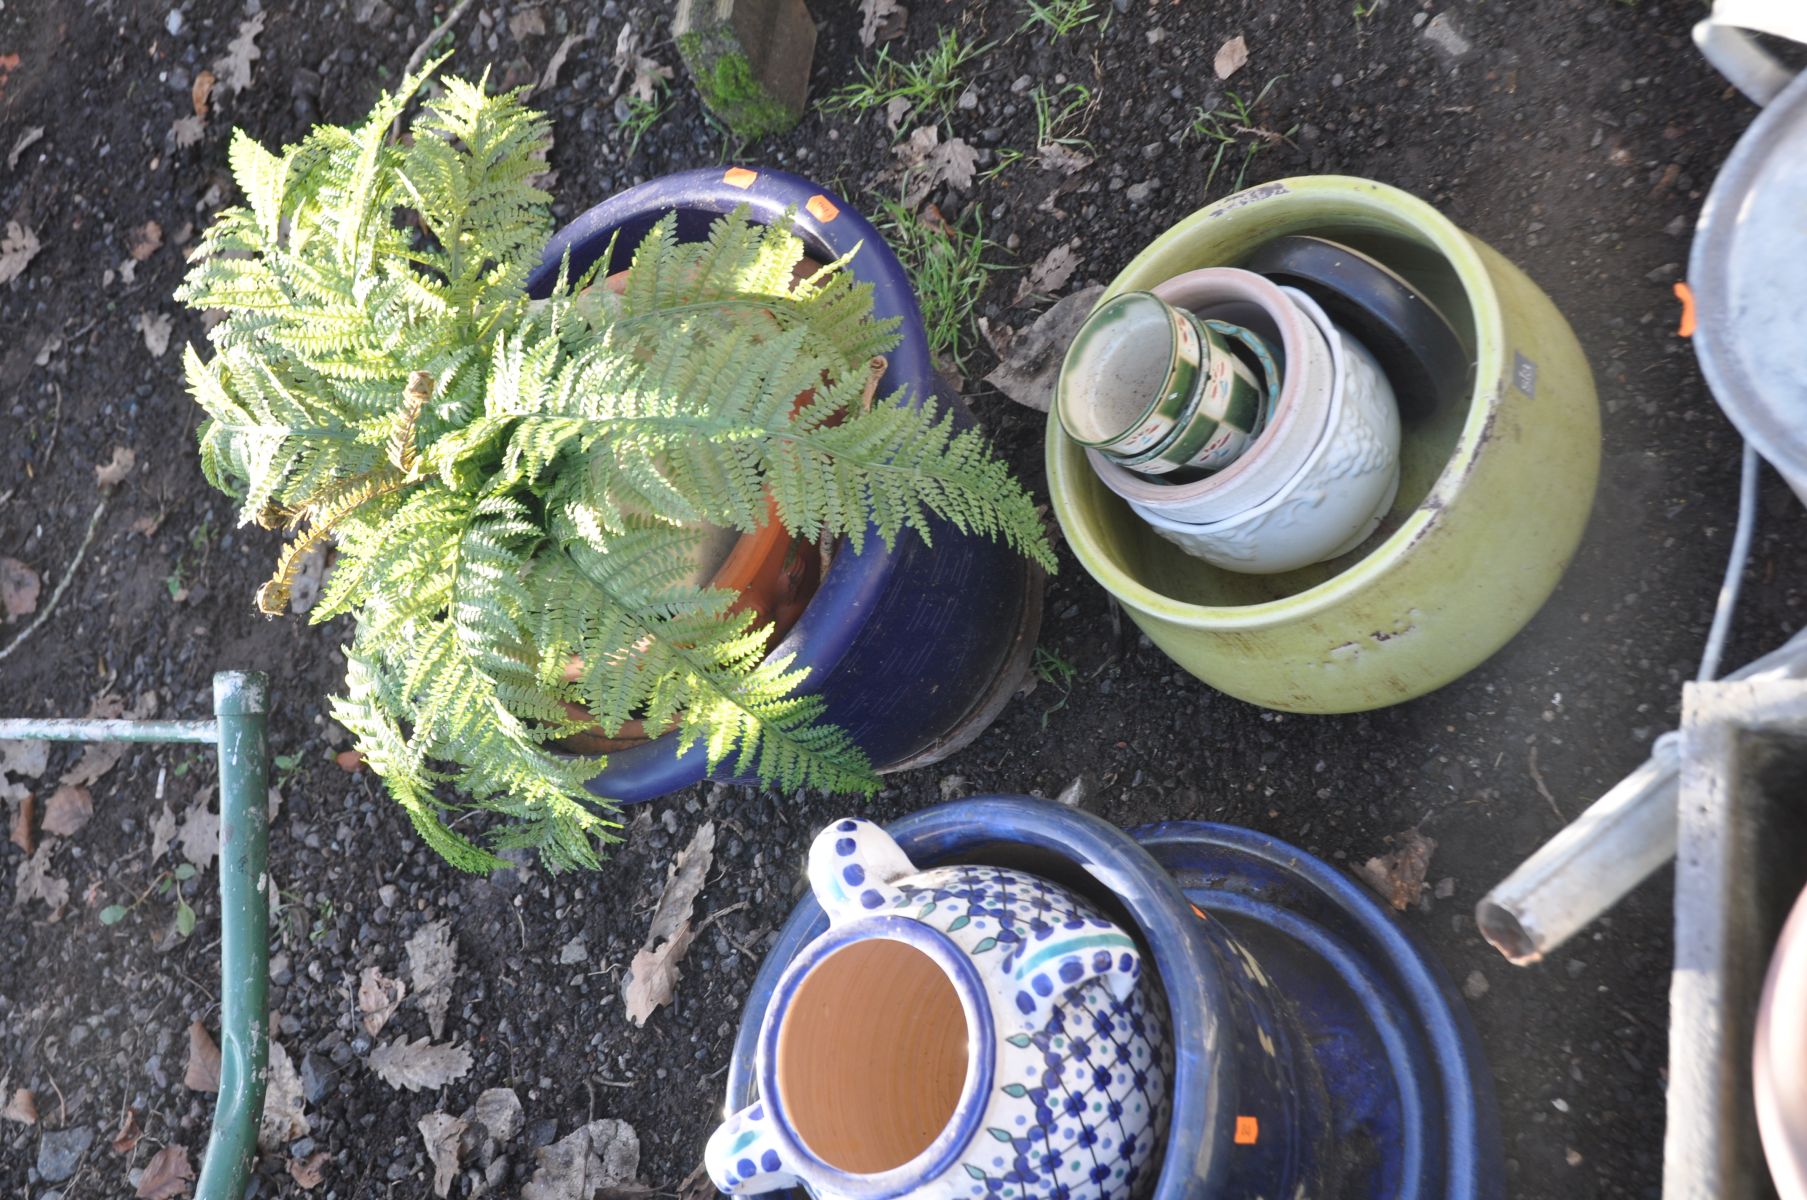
{"points": [[774, 575], [873, 1057]]}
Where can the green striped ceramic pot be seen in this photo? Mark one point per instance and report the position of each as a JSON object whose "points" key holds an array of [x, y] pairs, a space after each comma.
{"points": [[1157, 390]]}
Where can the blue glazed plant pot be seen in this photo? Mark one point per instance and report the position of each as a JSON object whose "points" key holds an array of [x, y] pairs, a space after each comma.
{"points": [[914, 650], [1317, 1049]]}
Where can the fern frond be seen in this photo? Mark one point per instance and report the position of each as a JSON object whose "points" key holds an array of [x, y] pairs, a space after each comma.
{"points": [[516, 485], [402, 450]]}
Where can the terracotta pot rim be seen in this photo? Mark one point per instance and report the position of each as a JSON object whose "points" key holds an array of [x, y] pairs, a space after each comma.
{"points": [[941, 1154]]}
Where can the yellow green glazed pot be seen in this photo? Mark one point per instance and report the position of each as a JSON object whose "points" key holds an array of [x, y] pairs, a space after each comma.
{"points": [[1494, 493]]}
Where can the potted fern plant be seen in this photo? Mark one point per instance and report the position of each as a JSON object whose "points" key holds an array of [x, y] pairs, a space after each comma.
{"points": [[514, 481]]}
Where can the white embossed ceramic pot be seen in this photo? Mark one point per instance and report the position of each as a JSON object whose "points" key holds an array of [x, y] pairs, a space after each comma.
{"points": [[958, 1031], [1339, 495], [1300, 414]]}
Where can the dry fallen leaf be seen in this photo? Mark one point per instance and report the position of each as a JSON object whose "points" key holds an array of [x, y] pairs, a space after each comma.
{"points": [[602, 1156], [498, 1110], [1231, 57], [27, 758], [203, 1073], [432, 959], [156, 328], [17, 248], [200, 836], [114, 472], [378, 998], [557, 62], [34, 881], [441, 1132], [524, 23], [19, 587], [163, 832], [1029, 362], [23, 809], [419, 1064], [1399, 875], [696, 1185], [186, 131], [201, 92], [283, 1119], [97, 759], [876, 17], [1061, 158], [653, 975], [306, 1172], [928, 162], [1051, 273], [144, 241], [167, 1174], [25, 142], [648, 75], [896, 109], [126, 1140], [23, 1108], [233, 70], [68, 809], [654, 972]]}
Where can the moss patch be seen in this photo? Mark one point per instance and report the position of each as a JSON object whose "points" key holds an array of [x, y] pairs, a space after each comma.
{"points": [[725, 80]]}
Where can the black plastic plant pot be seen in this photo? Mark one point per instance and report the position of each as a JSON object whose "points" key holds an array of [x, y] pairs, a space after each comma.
{"points": [[1278, 970], [915, 649]]}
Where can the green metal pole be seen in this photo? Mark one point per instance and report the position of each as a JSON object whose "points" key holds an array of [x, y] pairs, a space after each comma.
{"points": [[241, 702], [57, 729]]}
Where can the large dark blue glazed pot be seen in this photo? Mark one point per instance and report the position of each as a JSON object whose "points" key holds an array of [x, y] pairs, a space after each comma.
{"points": [[915, 649], [1390, 1096]]}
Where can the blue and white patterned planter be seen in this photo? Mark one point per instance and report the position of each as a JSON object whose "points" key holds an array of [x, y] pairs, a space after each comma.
{"points": [[1069, 1064]]}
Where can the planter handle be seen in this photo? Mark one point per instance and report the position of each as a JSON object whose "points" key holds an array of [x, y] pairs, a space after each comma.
{"points": [[742, 1155], [1724, 37], [852, 865]]}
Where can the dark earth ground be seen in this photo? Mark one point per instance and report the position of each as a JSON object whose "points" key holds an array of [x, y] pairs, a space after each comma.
{"points": [[1579, 140]]}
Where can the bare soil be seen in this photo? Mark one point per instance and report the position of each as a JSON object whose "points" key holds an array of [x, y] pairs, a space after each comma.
{"points": [[1578, 138]]}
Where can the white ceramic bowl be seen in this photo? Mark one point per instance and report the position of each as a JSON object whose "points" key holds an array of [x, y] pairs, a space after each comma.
{"points": [[1299, 420], [1335, 500]]}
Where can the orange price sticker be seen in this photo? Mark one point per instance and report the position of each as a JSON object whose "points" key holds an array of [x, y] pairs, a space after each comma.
{"points": [[1685, 294], [740, 177], [1248, 1131], [1200, 913]]}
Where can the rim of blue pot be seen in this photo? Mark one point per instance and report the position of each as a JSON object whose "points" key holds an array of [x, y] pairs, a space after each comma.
{"points": [[1203, 1096], [830, 228], [1471, 1139]]}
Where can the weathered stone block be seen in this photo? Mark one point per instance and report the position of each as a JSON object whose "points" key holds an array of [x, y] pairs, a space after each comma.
{"points": [[750, 60]]}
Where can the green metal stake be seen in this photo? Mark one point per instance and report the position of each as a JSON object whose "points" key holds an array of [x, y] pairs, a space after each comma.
{"points": [[241, 705]]}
